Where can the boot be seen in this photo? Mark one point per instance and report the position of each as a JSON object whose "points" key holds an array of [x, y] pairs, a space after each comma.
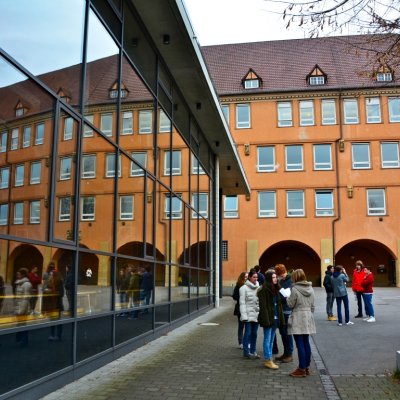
{"points": [[308, 371], [280, 358], [287, 359], [298, 373], [270, 364]]}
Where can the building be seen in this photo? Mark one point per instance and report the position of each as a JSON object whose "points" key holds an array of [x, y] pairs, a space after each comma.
{"points": [[114, 155], [316, 123]]}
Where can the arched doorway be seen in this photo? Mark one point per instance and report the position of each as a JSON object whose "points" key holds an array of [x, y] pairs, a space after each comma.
{"points": [[25, 256], [293, 255], [372, 253], [197, 255]]}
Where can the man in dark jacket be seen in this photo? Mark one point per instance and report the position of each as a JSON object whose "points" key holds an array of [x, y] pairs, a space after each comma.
{"points": [[330, 298]]}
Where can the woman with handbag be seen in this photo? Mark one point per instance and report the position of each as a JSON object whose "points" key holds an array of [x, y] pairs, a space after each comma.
{"points": [[236, 296]]}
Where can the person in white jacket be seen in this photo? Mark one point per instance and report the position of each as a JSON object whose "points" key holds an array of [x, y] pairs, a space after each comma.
{"points": [[249, 309]]}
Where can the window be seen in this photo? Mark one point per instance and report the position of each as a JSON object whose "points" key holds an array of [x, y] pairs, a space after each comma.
{"points": [[390, 155], [285, 114], [14, 139], [110, 165], [322, 157], [87, 208], [88, 166], [165, 122], [145, 121], [197, 169], [36, 171], [19, 112], [200, 204], [376, 201], [87, 130], [394, 109], [19, 175], [65, 168], [225, 110], [294, 158], [172, 164], [3, 142], [267, 204], [173, 207], [295, 203], [360, 155], [68, 128], [127, 123], [126, 207], [18, 213], [324, 203], [34, 212], [328, 108], [266, 159], [26, 136], [3, 214], [350, 108], [65, 209], [384, 77], [4, 177], [317, 80], [224, 250], [106, 124], [306, 113], [373, 108], [231, 208], [39, 134], [141, 159], [242, 116], [251, 83]]}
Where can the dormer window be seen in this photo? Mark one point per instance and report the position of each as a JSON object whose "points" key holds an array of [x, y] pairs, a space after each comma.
{"points": [[251, 80], [20, 109], [64, 95], [316, 77], [113, 92], [384, 74]]}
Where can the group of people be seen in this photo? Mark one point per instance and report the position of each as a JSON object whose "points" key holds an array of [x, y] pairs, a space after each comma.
{"points": [[276, 301], [335, 283]]}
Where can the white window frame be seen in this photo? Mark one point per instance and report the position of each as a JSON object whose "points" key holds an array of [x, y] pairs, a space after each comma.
{"points": [[14, 144], [4, 214], [231, 206], [88, 201], [373, 110], [174, 169], [87, 129], [64, 174], [126, 209], [285, 114], [243, 116], [360, 164], [377, 210], [200, 205], [390, 163], [4, 177], [394, 109], [4, 137], [64, 202], [251, 83], [327, 112], [197, 169], [384, 77], [324, 196], [19, 175], [165, 124], [349, 116], [39, 133], [322, 165], [110, 165], [270, 196], [18, 218], [291, 211], [34, 212], [106, 124], [296, 166], [266, 167], [68, 128], [136, 170], [145, 122], [306, 110], [127, 123], [26, 136], [88, 173], [176, 205], [317, 80], [35, 177]]}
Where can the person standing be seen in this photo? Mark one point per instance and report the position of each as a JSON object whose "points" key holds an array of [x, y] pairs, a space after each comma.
{"points": [[358, 277], [339, 279], [285, 282], [270, 316], [23, 292], [236, 296], [260, 275], [367, 284], [35, 281], [249, 309], [330, 298], [301, 322]]}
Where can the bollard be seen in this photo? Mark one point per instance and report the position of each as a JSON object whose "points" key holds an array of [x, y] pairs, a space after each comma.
{"points": [[398, 360]]}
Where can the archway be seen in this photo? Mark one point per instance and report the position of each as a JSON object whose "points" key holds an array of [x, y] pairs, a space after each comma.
{"points": [[293, 255], [25, 256], [197, 255]]}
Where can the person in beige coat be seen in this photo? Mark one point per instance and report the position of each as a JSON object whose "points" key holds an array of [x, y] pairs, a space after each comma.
{"points": [[301, 322]]}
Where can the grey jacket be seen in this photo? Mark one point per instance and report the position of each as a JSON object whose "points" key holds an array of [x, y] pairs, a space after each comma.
{"points": [[248, 301], [301, 300], [338, 283]]}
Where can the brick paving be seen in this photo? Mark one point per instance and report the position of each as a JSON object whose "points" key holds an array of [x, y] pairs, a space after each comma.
{"points": [[203, 362]]}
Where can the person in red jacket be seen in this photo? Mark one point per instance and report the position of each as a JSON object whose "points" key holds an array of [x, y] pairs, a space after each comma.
{"points": [[35, 280], [358, 277], [367, 284]]}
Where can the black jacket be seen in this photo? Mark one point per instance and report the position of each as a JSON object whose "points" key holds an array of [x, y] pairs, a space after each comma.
{"points": [[266, 314], [328, 282]]}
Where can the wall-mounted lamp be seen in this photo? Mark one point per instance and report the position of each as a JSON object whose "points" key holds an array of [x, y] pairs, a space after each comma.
{"points": [[247, 149], [341, 145], [248, 197], [166, 39], [46, 202], [350, 191], [149, 197]]}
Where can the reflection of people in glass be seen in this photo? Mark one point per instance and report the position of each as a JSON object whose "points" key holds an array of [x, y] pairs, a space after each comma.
{"points": [[56, 286], [47, 296], [88, 275], [69, 286], [146, 287], [23, 292], [35, 280], [2, 291], [134, 289], [122, 287]]}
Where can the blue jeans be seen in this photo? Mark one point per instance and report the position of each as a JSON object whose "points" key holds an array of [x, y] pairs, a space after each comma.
{"points": [[330, 298], [250, 337], [303, 350], [287, 340], [345, 300], [369, 308], [269, 336]]}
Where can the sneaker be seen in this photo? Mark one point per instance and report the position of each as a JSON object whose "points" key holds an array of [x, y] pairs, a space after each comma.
{"points": [[340, 324], [366, 318], [254, 356], [371, 319], [349, 323], [358, 316], [332, 318], [248, 356]]}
